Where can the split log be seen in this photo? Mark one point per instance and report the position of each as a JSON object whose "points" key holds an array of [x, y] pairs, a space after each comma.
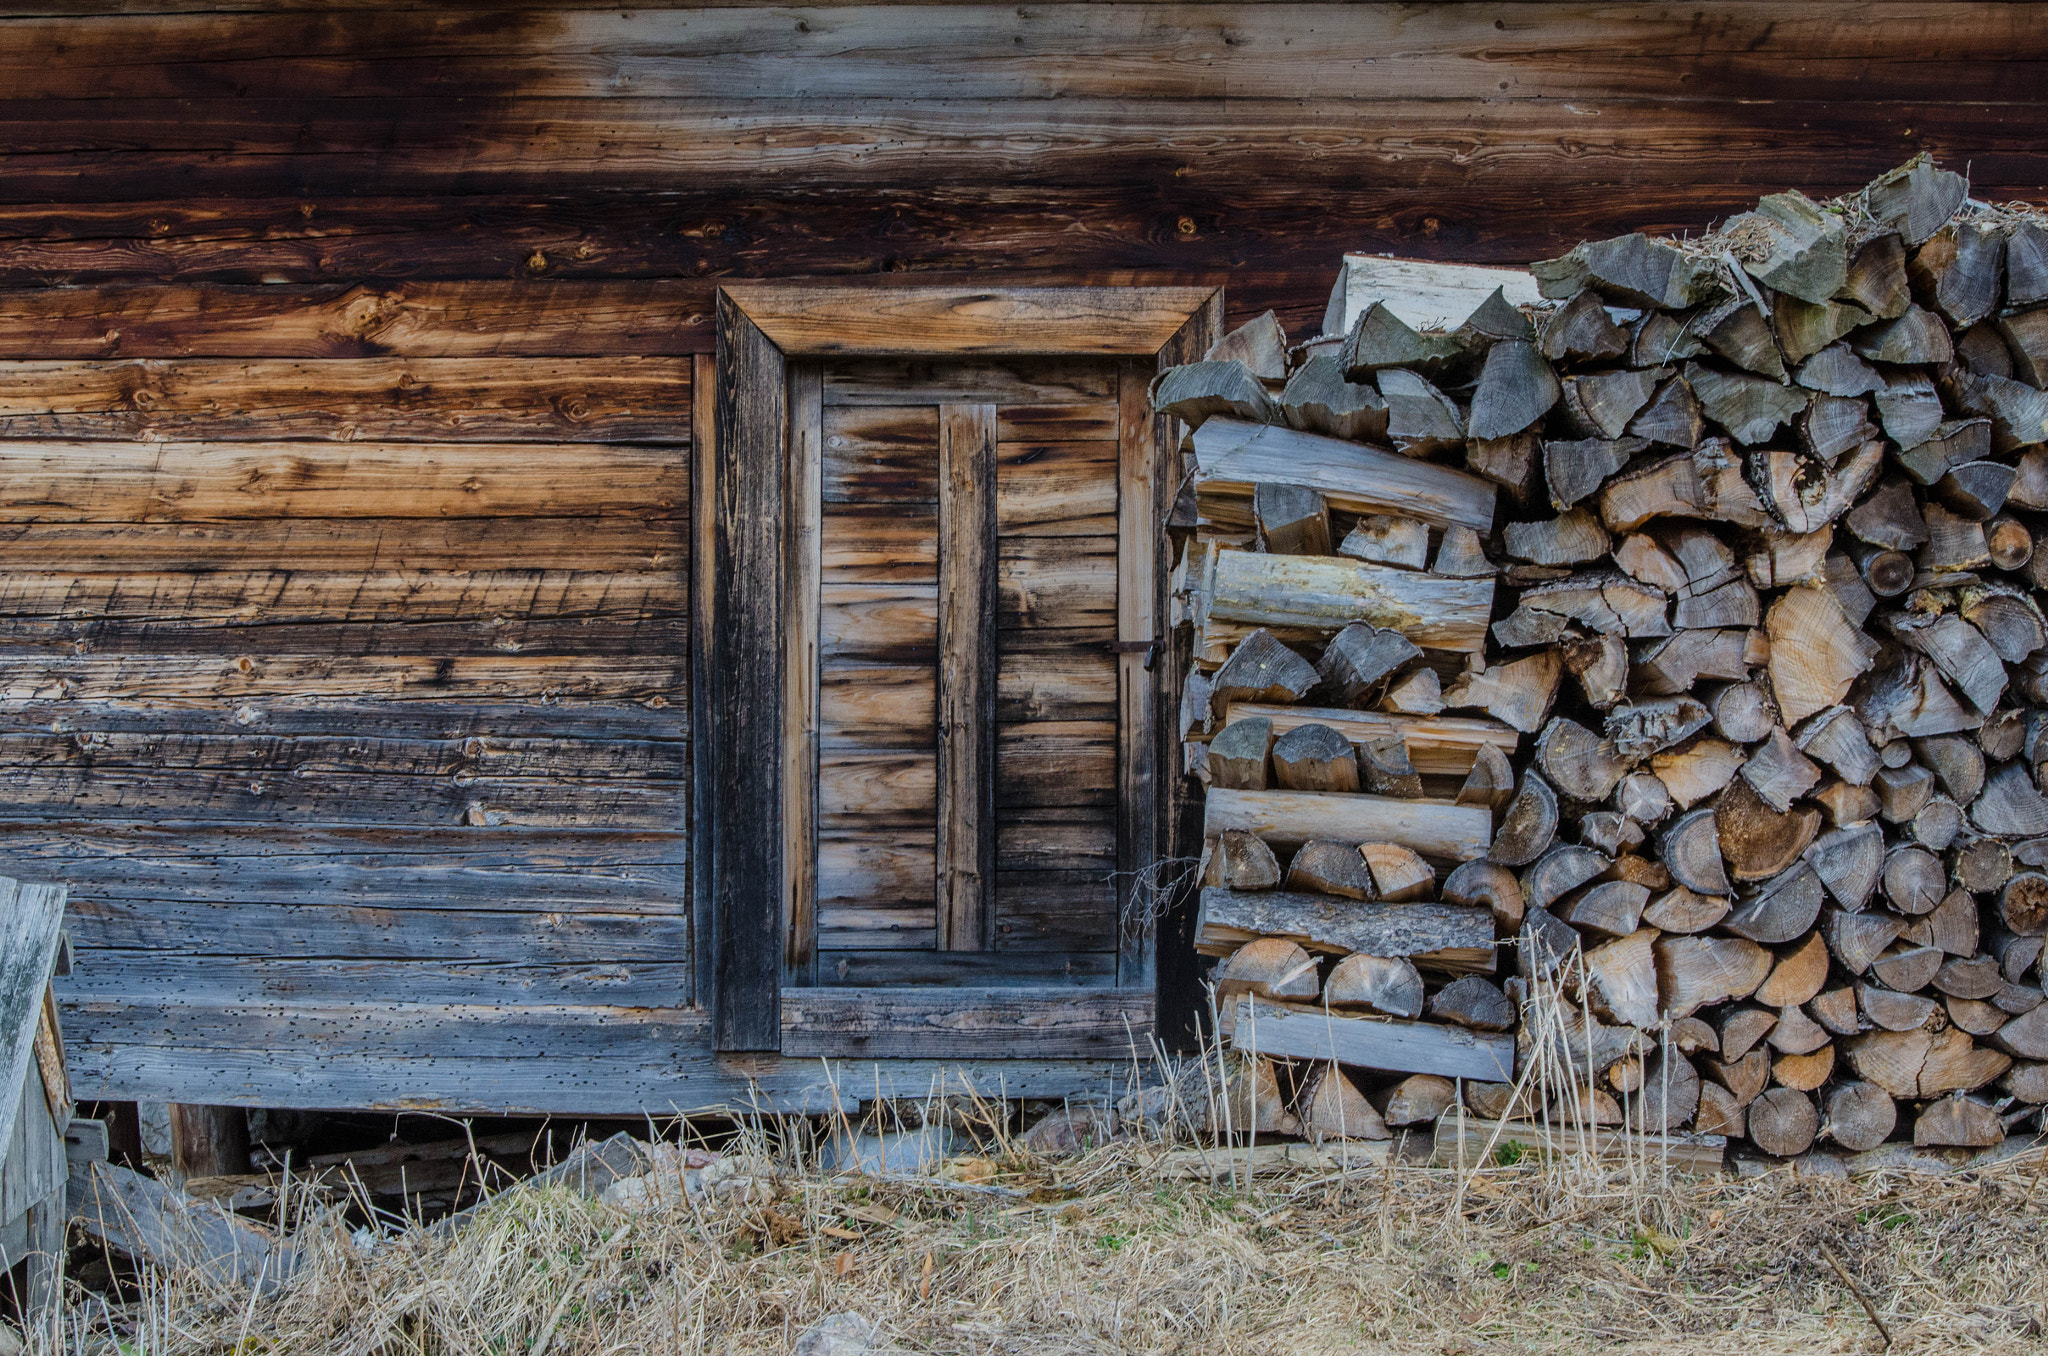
{"points": [[1261, 669], [1958, 1121], [1719, 1113], [1330, 868], [1849, 862], [2010, 621], [1545, 943], [1417, 1100], [1673, 417], [1491, 885], [1474, 1003], [1683, 911], [1388, 539], [1495, 320], [1460, 555], [1913, 880], [1252, 1103], [1330, 1106], [1816, 654], [2025, 1035], [1740, 712], [1861, 1116], [1877, 276], [1495, 1102], [1200, 391], [1286, 1032], [1797, 1034], [1858, 939], [1970, 977], [1846, 805], [1603, 404], [1779, 773], [1518, 693], [1322, 595], [1975, 490], [1418, 694], [1271, 967], [1958, 649], [1782, 910], [1622, 976], [1642, 798], [1516, 388], [1756, 841], [1837, 371], [1398, 875], [1903, 792], [1608, 831], [1916, 338], [1259, 344], [1691, 850], [2010, 806], [1956, 762], [1237, 755], [1889, 517], [1570, 539], [1792, 246], [1805, 1073], [1380, 339], [1317, 399], [1837, 738], [1646, 727], [1703, 483], [1749, 408], [1441, 937], [1560, 871], [2023, 904], [1694, 971], [2027, 1081], [1529, 826], [1698, 770], [1581, 330], [1953, 926], [1293, 520], [1796, 975], [2010, 543], [1937, 825], [1490, 782], [1359, 659], [1613, 908], [1951, 443], [1384, 984], [1315, 757], [1239, 861], [1906, 967], [1744, 1029], [1611, 604], [1744, 1077], [1600, 663], [1835, 1009], [1579, 763], [1954, 543], [1444, 746], [1232, 456], [1634, 270], [1783, 1122], [1421, 420], [1924, 1063]]}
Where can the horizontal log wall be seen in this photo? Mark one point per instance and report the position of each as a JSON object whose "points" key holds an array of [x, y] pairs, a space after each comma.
{"points": [[344, 378]]}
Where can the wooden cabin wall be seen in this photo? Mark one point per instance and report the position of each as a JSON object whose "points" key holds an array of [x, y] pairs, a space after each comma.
{"points": [[345, 400]]}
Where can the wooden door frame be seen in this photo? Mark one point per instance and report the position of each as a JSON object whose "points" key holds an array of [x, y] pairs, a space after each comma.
{"points": [[744, 534]]}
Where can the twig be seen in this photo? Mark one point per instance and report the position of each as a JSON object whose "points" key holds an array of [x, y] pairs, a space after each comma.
{"points": [[1855, 1289]]}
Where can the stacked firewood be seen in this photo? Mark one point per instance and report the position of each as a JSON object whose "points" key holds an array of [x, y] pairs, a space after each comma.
{"points": [[1671, 620]]}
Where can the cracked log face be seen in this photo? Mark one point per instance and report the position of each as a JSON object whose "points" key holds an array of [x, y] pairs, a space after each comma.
{"points": [[1753, 605]]}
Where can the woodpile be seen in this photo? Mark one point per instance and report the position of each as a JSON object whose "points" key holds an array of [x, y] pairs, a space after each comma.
{"points": [[1661, 627]]}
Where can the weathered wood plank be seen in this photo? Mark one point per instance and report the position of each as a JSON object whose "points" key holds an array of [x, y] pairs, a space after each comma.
{"points": [[966, 676], [438, 400], [1054, 910], [1059, 837], [1286, 1032], [1320, 595], [894, 623], [1056, 763], [704, 464], [157, 979], [1060, 684], [1057, 489], [380, 593], [878, 706], [1064, 582], [881, 866], [877, 454], [1454, 937], [861, 788], [31, 916], [878, 543], [987, 1021], [124, 482], [601, 545], [625, 674], [1007, 969], [1025, 381], [740, 816], [802, 721], [917, 320], [1121, 51]]}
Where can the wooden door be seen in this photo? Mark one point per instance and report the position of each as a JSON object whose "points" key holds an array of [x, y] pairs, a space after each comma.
{"points": [[961, 667], [933, 719]]}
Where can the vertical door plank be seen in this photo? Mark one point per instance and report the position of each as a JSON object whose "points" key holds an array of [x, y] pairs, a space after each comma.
{"points": [[1140, 565], [800, 667], [748, 564], [967, 676], [703, 535]]}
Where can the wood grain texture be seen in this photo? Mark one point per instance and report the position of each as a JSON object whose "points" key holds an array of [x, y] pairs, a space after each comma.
{"points": [[702, 900], [545, 400], [966, 675], [31, 916], [965, 1022], [922, 321], [52, 481], [1145, 489], [743, 808], [801, 720]]}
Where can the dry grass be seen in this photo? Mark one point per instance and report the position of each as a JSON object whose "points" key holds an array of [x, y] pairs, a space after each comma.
{"points": [[1103, 1254]]}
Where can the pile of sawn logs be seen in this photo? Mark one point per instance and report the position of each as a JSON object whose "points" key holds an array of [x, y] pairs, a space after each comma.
{"points": [[1740, 535]]}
